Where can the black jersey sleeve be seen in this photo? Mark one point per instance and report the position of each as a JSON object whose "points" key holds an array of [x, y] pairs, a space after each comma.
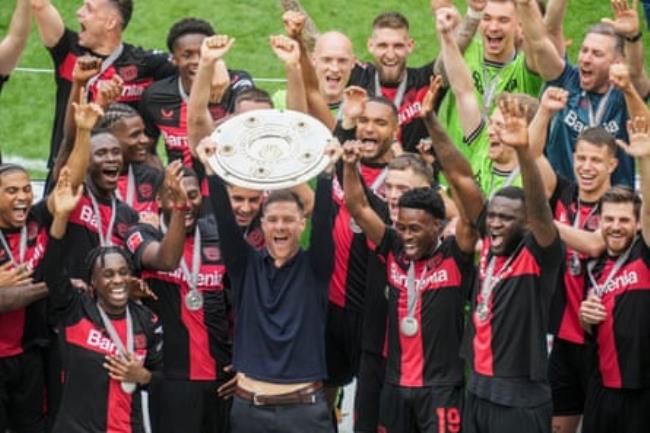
{"points": [[137, 239], [159, 65], [234, 247], [154, 359], [3, 80], [64, 46], [321, 250], [343, 134], [563, 192], [239, 81], [42, 213], [144, 108], [64, 300], [389, 243]]}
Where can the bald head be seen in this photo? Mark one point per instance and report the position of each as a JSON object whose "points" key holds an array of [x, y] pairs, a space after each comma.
{"points": [[333, 61]]}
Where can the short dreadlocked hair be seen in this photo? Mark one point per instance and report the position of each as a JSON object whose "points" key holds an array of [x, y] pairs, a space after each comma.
{"points": [[98, 256], [115, 113], [188, 26], [426, 199]]}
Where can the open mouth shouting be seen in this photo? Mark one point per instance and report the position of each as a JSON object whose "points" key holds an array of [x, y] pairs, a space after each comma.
{"points": [[494, 42]]}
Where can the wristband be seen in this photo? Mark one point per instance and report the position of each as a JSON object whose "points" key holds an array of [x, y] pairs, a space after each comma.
{"points": [[471, 13], [635, 38]]}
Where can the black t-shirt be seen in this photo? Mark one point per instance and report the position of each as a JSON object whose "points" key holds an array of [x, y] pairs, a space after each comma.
{"points": [[510, 341], [566, 207], [412, 129], [138, 68], [431, 356], [623, 339], [92, 401], [82, 235], [164, 111], [197, 343], [24, 328]]}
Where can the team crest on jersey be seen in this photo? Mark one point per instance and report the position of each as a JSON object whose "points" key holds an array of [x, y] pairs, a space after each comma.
{"points": [[145, 190], [140, 341], [134, 241], [128, 73], [166, 114], [121, 229], [32, 230], [212, 253]]}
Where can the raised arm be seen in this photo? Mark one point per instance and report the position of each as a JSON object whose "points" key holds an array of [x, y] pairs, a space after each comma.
{"points": [[288, 51], [542, 53], [48, 21], [166, 254], [626, 23], [639, 148], [235, 248], [458, 74], [620, 77], [294, 23], [456, 168], [309, 33], [515, 134], [14, 42], [554, 23], [199, 120], [321, 250], [553, 100], [355, 197]]}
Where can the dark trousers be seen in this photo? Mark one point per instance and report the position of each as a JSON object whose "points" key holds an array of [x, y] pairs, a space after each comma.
{"points": [[616, 410], [189, 407], [370, 382], [483, 416], [298, 418], [22, 393], [646, 9]]}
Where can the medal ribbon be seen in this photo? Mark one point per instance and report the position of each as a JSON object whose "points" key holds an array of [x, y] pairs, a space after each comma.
{"points": [[106, 63], [595, 119], [22, 248], [401, 90], [490, 281], [130, 188], [104, 240], [193, 276], [184, 96], [112, 333], [600, 289]]}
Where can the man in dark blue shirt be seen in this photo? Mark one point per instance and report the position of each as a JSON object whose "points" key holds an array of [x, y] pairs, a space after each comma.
{"points": [[280, 305]]}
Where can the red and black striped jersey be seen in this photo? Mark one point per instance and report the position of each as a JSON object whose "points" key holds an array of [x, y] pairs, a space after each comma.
{"points": [[24, 328], [82, 232], [164, 111], [510, 340], [566, 208], [430, 356], [348, 283], [623, 339], [146, 182], [91, 400], [197, 343], [138, 68], [412, 129]]}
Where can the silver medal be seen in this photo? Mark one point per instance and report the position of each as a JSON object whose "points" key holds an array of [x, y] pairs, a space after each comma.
{"points": [[575, 267], [482, 312], [194, 300], [128, 387], [409, 326]]}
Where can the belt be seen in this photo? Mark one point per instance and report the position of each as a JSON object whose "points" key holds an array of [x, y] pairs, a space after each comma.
{"points": [[306, 395]]}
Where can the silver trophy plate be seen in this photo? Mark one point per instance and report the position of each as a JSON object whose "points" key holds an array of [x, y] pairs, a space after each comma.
{"points": [[270, 149]]}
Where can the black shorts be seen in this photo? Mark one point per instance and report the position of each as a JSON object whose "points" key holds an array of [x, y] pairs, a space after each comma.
{"points": [[570, 369], [22, 393], [433, 409], [189, 407], [483, 416], [342, 344], [616, 410], [370, 381]]}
